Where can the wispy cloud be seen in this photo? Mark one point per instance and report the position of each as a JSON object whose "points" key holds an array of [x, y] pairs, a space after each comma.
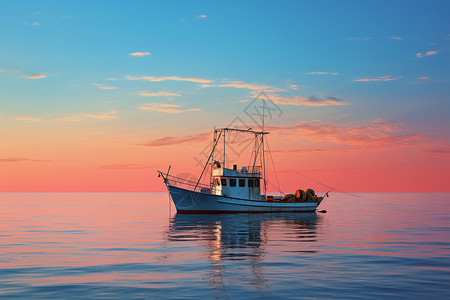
{"points": [[166, 108], [378, 133], [8, 71], [139, 54], [27, 119], [307, 101], [243, 85], [175, 78], [341, 116], [373, 135], [203, 16], [330, 170], [71, 119], [322, 73], [20, 159], [158, 94], [62, 16], [35, 76], [33, 23], [127, 167], [423, 78], [108, 115], [77, 118], [293, 86], [437, 152], [104, 87], [316, 150], [426, 54], [171, 140], [379, 78], [396, 38]]}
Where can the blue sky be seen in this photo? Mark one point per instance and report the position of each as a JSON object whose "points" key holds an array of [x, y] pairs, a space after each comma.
{"points": [[163, 66]]}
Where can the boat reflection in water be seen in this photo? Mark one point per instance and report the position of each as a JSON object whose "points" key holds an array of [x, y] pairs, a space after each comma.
{"points": [[244, 245]]}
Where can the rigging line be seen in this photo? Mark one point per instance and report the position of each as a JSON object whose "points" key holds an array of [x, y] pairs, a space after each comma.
{"points": [[258, 144], [276, 188], [273, 165], [330, 187], [253, 151], [210, 155]]}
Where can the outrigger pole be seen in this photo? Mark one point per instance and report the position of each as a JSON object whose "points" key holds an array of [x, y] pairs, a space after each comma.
{"points": [[216, 141], [210, 155]]}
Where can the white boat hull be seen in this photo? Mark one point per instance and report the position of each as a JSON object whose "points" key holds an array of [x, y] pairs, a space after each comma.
{"points": [[187, 201]]}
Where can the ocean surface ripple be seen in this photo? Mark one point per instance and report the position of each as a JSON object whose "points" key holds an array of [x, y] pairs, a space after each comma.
{"points": [[132, 246]]}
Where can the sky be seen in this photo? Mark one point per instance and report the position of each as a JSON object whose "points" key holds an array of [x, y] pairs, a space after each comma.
{"points": [[99, 95]]}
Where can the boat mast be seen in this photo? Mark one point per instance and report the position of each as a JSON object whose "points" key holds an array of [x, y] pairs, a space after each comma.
{"points": [[224, 147], [263, 156], [212, 159]]}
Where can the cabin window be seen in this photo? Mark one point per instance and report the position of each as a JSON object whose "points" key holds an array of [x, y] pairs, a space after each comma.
{"points": [[242, 182], [217, 182], [233, 182], [224, 181], [256, 182], [250, 183]]}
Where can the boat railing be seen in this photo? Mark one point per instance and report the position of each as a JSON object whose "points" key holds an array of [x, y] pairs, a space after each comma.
{"points": [[185, 183], [253, 169]]}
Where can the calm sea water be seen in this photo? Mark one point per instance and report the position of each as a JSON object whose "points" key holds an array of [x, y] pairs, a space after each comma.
{"points": [[129, 245]]}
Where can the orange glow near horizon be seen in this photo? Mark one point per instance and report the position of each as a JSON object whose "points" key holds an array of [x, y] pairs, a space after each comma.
{"points": [[358, 159]]}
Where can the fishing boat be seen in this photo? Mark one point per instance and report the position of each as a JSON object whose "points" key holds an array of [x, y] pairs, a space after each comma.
{"points": [[236, 190]]}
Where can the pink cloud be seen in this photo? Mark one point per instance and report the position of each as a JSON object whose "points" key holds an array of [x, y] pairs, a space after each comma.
{"points": [[307, 101], [171, 140], [317, 150], [436, 152], [380, 78], [158, 94], [426, 54], [28, 119], [175, 78], [19, 159], [140, 54], [104, 116], [35, 76], [322, 73], [104, 87], [243, 85], [166, 108], [70, 119], [378, 133], [126, 167]]}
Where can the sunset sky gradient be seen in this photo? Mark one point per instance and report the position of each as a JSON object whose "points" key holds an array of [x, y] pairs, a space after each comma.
{"points": [[98, 95]]}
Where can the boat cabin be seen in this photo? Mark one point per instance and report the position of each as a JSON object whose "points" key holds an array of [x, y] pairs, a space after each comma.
{"points": [[234, 183]]}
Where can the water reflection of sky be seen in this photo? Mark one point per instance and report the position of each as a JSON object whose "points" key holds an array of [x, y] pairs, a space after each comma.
{"points": [[243, 239], [131, 241]]}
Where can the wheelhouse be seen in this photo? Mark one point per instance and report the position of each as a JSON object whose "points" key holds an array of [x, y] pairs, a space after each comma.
{"points": [[243, 184]]}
